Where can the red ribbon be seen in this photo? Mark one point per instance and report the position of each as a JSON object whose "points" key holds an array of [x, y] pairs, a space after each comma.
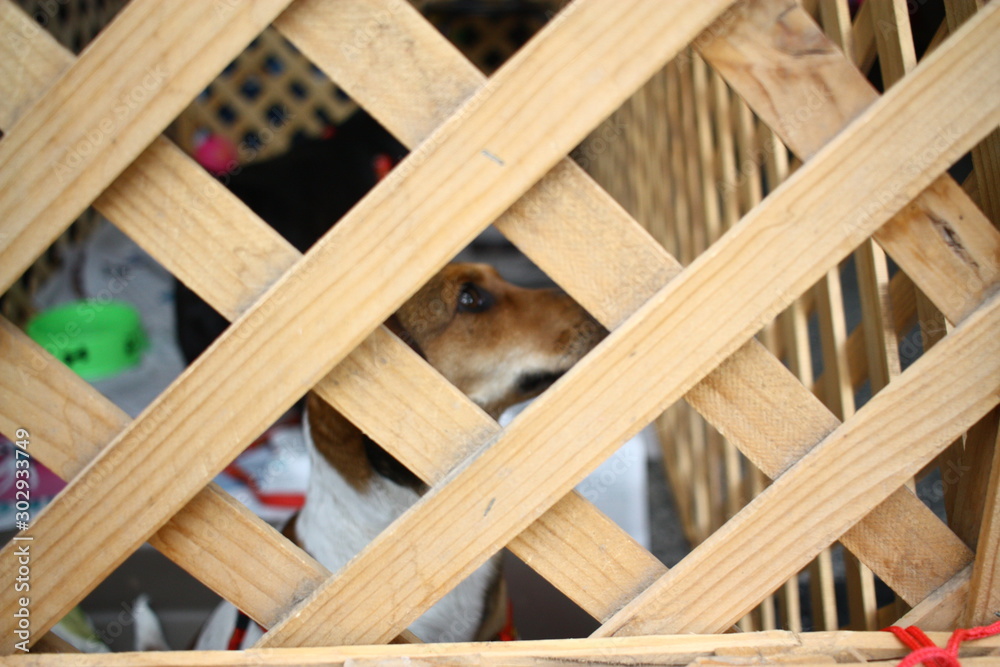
{"points": [[927, 652]]}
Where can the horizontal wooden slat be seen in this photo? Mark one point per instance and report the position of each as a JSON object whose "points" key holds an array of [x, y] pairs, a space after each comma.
{"points": [[565, 433], [779, 646], [444, 194], [135, 77], [832, 487]]}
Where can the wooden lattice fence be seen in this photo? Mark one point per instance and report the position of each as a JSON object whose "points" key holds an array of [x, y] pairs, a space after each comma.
{"points": [[82, 131], [688, 157]]}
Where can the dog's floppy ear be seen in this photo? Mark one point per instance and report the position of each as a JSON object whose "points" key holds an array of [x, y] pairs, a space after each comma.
{"points": [[396, 327], [427, 312]]}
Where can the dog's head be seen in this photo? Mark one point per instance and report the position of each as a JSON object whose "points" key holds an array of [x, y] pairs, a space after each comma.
{"points": [[499, 343]]}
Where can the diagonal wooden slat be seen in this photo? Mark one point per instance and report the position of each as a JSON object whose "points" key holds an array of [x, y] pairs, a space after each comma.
{"points": [[904, 546], [608, 269], [437, 186], [986, 156], [211, 198], [197, 229], [942, 240], [411, 108], [441, 425], [32, 60], [43, 396], [567, 431], [70, 422], [942, 609], [828, 490], [115, 99], [630, 573]]}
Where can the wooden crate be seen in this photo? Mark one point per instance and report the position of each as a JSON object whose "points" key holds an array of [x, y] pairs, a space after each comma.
{"points": [[86, 131], [688, 157]]}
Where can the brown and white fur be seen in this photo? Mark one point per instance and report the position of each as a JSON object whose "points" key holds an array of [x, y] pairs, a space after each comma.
{"points": [[498, 343]]}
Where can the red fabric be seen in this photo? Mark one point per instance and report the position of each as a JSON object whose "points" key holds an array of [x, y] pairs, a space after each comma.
{"points": [[508, 633], [926, 652], [239, 632]]}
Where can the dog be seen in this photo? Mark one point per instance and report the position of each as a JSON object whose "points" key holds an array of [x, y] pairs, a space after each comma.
{"points": [[499, 344]]}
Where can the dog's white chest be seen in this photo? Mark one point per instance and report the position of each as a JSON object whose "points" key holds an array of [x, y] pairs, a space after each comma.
{"points": [[338, 521], [335, 524]]}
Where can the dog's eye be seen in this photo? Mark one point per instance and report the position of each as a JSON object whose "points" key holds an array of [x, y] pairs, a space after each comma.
{"points": [[473, 299]]}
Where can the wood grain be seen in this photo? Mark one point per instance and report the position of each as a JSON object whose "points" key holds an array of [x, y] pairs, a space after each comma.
{"points": [[778, 646], [984, 589], [635, 294], [220, 540], [829, 489], [202, 234], [611, 270], [566, 432], [107, 107], [420, 216], [32, 60], [807, 99]]}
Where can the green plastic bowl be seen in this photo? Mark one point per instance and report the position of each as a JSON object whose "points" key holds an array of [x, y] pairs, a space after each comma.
{"points": [[96, 339]]}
